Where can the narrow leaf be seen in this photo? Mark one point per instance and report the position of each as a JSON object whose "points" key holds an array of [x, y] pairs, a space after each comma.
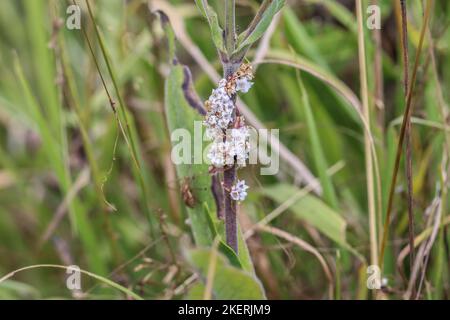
{"points": [[312, 210], [229, 282], [213, 21], [317, 149], [260, 24]]}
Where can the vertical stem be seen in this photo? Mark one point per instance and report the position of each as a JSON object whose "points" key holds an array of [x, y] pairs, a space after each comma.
{"points": [[230, 26], [366, 113], [230, 174], [125, 126], [88, 147], [404, 42], [230, 209], [379, 84], [406, 117], [379, 103]]}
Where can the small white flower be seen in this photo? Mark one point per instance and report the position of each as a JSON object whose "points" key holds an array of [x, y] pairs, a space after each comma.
{"points": [[243, 84], [220, 154], [229, 145], [222, 83], [239, 140], [214, 133], [221, 108], [239, 191]]}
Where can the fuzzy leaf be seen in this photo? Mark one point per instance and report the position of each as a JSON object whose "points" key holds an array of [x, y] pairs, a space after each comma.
{"points": [[181, 115], [168, 32], [250, 36], [229, 282], [213, 21]]}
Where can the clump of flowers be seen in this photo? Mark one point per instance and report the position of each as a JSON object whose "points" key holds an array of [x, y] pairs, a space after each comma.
{"points": [[230, 147], [226, 127], [239, 191]]}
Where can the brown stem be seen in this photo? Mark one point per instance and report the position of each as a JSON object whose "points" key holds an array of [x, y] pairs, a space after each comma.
{"points": [[217, 190], [408, 153], [229, 175], [406, 117], [230, 209]]}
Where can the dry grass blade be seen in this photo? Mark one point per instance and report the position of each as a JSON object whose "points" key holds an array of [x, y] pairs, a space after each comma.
{"points": [[367, 137], [427, 252], [121, 114], [421, 261], [407, 116], [378, 72], [80, 183], [404, 31], [423, 236], [305, 246], [211, 271], [90, 274], [341, 88], [345, 92], [430, 212], [288, 203]]}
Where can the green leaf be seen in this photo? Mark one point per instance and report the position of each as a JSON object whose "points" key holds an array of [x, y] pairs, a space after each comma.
{"points": [[181, 115], [260, 24], [317, 150], [168, 32], [196, 292], [301, 40], [311, 209], [229, 282], [182, 108], [11, 289], [340, 12], [213, 21], [243, 259]]}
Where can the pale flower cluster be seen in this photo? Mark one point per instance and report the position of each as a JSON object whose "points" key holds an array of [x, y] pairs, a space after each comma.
{"points": [[220, 109], [235, 146], [230, 141], [239, 191]]}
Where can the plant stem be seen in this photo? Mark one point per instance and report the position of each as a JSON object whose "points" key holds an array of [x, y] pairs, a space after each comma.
{"points": [[88, 147], [404, 44], [406, 117], [230, 209], [124, 127], [379, 82], [230, 26], [229, 177], [366, 113], [230, 174]]}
